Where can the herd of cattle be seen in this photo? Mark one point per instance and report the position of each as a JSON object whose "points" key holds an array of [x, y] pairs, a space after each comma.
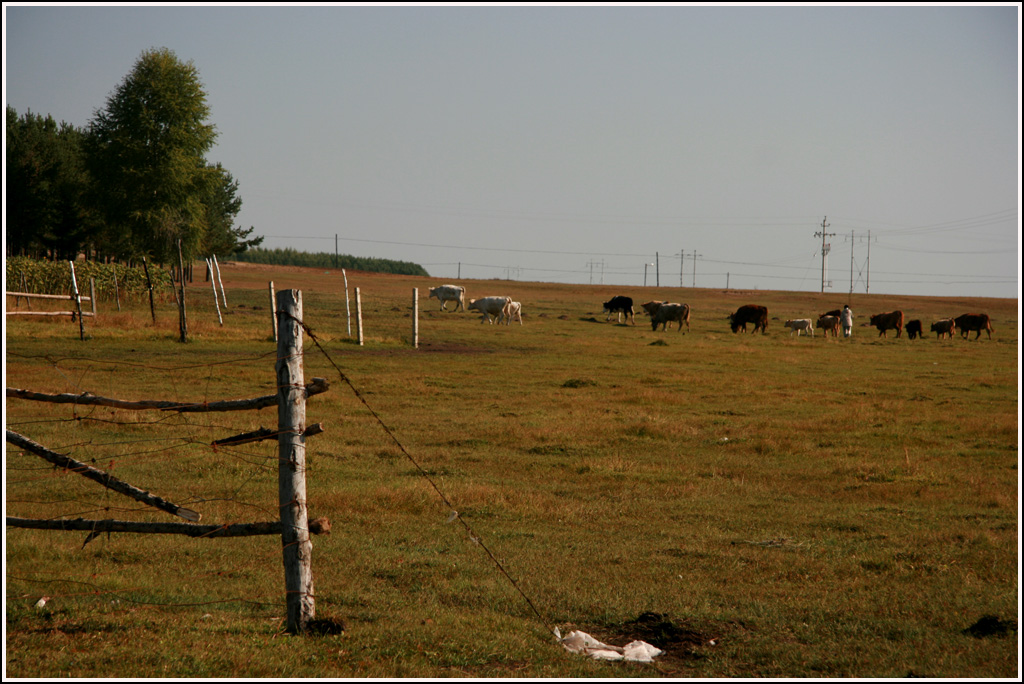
{"points": [[503, 309]]}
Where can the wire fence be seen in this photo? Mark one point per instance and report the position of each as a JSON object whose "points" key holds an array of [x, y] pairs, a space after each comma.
{"points": [[53, 495], [170, 454], [195, 459]]}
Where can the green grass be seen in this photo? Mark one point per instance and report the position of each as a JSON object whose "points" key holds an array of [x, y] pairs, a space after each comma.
{"points": [[818, 508]]}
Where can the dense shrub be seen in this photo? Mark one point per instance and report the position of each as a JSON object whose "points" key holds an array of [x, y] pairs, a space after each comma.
{"points": [[54, 277]]}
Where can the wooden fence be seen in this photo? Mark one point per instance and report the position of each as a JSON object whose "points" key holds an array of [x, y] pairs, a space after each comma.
{"points": [[382, 312], [293, 526]]}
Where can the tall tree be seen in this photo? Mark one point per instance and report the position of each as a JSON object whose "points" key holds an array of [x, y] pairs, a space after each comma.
{"points": [[146, 150]]}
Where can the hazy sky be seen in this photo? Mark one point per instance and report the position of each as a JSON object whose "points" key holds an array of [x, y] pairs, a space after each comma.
{"points": [[574, 144]]}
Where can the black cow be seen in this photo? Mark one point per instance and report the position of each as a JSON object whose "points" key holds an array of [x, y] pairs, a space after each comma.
{"points": [[886, 321], [749, 313], [947, 326], [619, 305], [914, 329], [976, 322]]}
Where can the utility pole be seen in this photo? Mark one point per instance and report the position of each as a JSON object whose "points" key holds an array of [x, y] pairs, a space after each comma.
{"points": [[853, 241], [851, 262], [682, 255], [825, 247], [867, 286], [695, 255], [657, 270]]}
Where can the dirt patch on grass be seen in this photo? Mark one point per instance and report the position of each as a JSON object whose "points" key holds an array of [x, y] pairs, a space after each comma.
{"points": [[683, 641]]}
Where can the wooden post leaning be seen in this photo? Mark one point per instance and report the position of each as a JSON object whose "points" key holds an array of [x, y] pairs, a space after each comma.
{"points": [[78, 301], [291, 424], [223, 297], [209, 269]]}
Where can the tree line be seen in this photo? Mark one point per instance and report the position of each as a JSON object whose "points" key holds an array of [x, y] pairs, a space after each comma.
{"points": [[292, 257], [133, 183]]}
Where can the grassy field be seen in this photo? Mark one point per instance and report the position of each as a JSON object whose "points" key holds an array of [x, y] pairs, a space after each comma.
{"points": [[757, 506]]}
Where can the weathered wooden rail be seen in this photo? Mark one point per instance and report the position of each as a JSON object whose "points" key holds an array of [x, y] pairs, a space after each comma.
{"points": [[67, 298]]}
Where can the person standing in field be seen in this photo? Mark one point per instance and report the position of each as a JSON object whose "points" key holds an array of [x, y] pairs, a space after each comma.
{"points": [[846, 319]]}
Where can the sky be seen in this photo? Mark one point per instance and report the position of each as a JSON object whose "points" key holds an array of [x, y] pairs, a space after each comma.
{"points": [[658, 145]]}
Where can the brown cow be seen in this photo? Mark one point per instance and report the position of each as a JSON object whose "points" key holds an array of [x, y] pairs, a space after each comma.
{"points": [[828, 323], [947, 326], [977, 322], [914, 329], [885, 321], [650, 307], [750, 313]]}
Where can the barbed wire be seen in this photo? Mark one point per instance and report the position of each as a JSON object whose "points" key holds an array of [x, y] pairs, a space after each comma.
{"points": [[187, 431], [123, 454], [454, 514]]}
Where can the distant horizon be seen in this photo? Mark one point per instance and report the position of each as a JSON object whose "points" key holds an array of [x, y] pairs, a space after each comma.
{"points": [[454, 280]]}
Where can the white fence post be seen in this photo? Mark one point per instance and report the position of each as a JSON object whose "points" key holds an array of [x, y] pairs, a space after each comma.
{"points": [[291, 424], [78, 301], [223, 297], [348, 315], [415, 318], [359, 317], [273, 309], [209, 269]]}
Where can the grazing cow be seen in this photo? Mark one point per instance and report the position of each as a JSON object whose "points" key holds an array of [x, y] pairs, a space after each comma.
{"points": [[449, 293], [976, 322], [750, 313], [490, 306], [800, 326], [620, 305], [650, 307], [828, 323], [834, 312], [513, 311], [886, 321], [668, 313], [947, 326], [914, 329]]}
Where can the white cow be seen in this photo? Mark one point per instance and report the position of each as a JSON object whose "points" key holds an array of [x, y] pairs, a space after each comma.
{"points": [[490, 306], [513, 311], [800, 325], [449, 293]]}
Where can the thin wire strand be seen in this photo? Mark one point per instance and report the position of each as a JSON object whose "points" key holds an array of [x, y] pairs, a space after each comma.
{"points": [[473, 535]]}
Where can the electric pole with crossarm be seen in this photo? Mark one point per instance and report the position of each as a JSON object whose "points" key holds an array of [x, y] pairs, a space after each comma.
{"points": [[825, 247]]}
